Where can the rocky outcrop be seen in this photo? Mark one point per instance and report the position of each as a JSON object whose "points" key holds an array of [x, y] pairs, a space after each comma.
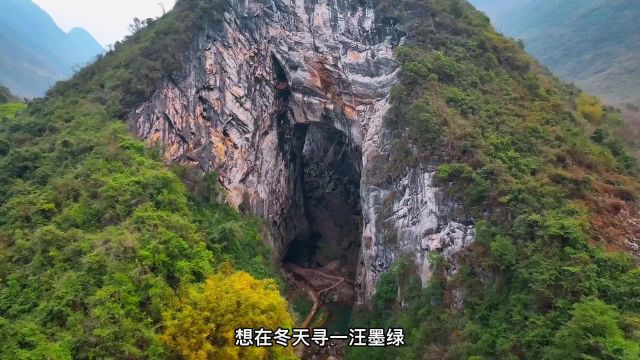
{"points": [[251, 93], [410, 218]]}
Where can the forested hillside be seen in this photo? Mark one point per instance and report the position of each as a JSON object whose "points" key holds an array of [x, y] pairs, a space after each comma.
{"points": [[553, 274], [101, 243], [107, 252], [590, 42], [10, 105], [35, 52]]}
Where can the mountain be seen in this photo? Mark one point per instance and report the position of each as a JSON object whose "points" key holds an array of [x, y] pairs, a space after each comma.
{"points": [[381, 164], [6, 96], [590, 42], [35, 52]]}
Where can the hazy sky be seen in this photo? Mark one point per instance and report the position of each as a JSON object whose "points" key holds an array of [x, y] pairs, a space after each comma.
{"points": [[107, 20]]}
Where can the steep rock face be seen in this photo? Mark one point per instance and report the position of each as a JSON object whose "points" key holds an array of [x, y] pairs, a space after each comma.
{"points": [[410, 217], [251, 92]]}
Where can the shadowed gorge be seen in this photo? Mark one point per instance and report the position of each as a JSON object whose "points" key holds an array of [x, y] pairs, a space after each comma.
{"points": [[331, 186], [321, 263]]}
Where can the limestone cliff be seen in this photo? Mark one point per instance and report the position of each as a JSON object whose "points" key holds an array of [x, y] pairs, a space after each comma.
{"points": [[287, 104]]}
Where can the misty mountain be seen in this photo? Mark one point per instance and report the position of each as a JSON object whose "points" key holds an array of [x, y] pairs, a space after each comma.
{"points": [[35, 52], [593, 43]]}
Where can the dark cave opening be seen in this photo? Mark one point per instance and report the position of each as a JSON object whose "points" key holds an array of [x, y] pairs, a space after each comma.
{"points": [[330, 173], [323, 222]]}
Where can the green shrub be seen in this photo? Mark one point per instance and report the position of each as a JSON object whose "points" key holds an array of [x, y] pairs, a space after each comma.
{"points": [[503, 253], [594, 333]]}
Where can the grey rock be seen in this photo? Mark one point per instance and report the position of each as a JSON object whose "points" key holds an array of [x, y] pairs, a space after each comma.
{"points": [[276, 67]]}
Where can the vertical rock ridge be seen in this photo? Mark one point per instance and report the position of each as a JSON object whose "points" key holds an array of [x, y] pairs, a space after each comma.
{"points": [[278, 65]]}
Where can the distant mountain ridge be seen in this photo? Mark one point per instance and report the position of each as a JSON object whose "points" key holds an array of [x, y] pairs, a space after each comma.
{"points": [[35, 52], [6, 96], [593, 43]]}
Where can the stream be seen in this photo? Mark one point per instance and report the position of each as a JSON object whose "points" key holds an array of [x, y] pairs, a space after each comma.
{"points": [[331, 296]]}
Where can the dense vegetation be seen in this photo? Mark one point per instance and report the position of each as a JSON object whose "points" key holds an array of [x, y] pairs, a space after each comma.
{"points": [[10, 110], [552, 191], [238, 297], [102, 247], [10, 106]]}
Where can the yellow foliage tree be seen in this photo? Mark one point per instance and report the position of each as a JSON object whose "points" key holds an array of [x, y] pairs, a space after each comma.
{"points": [[201, 323], [590, 107]]}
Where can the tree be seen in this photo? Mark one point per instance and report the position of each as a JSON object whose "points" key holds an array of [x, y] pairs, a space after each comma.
{"points": [[139, 25], [503, 252], [593, 332], [201, 323], [590, 107]]}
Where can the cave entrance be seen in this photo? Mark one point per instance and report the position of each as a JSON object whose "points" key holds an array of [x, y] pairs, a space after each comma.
{"points": [[323, 260], [331, 168]]}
